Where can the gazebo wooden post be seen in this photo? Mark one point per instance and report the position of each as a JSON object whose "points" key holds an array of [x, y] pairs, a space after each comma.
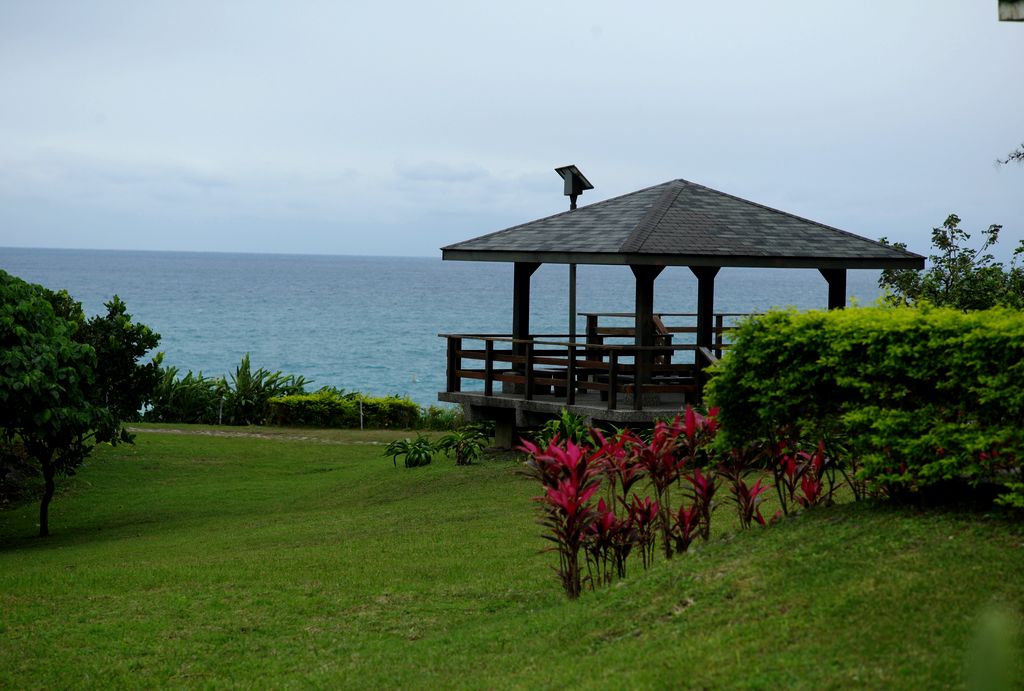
{"points": [[705, 304], [705, 317], [836, 287], [521, 309], [572, 302], [521, 300], [644, 328]]}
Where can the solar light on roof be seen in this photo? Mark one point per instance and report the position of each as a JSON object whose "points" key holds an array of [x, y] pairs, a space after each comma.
{"points": [[575, 183], [1011, 10]]}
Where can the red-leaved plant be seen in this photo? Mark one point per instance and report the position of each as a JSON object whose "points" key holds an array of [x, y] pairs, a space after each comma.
{"points": [[703, 495], [747, 498], [608, 542], [812, 477], [801, 476], [677, 452], [659, 460], [686, 523], [696, 451], [698, 433], [570, 479], [618, 465], [642, 515]]}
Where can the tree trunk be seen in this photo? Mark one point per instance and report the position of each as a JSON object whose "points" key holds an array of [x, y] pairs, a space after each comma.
{"points": [[44, 505]]}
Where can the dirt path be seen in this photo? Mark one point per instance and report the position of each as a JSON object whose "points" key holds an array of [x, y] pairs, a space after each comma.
{"points": [[250, 435]]}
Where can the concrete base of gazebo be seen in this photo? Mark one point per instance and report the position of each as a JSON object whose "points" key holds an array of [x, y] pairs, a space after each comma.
{"points": [[512, 411]]}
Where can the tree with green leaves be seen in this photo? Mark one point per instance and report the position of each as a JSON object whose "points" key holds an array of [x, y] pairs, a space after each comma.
{"points": [[67, 383], [123, 383], [958, 275], [1015, 155]]}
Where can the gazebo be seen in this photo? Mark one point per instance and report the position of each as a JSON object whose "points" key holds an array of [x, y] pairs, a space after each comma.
{"points": [[677, 223]]}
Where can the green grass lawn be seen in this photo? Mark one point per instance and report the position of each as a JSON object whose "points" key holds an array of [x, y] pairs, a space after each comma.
{"points": [[307, 559]]}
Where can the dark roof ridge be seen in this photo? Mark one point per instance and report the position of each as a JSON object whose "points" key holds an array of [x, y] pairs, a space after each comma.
{"points": [[651, 219], [799, 218], [561, 213]]}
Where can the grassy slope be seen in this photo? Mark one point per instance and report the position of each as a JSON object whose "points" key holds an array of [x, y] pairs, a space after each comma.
{"points": [[241, 561]]}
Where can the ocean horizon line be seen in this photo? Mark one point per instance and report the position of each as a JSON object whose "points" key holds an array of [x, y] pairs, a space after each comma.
{"points": [[222, 252]]}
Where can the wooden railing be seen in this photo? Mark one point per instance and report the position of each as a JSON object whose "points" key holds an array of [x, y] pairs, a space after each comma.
{"points": [[666, 326], [562, 369], [555, 366]]}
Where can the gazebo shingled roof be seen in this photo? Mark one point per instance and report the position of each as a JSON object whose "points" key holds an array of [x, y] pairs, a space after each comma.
{"points": [[681, 223]]}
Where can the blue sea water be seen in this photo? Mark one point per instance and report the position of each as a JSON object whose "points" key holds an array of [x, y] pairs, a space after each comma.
{"points": [[368, 323]]}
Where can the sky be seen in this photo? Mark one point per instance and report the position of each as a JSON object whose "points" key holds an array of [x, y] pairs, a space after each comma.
{"points": [[394, 128]]}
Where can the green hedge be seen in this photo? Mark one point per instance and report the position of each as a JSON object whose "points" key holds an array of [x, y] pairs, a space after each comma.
{"points": [[330, 408], [915, 396]]}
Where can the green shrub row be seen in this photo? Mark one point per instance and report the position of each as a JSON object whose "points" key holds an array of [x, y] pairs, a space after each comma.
{"points": [[258, 397], [912, 397], [332, 408], [241, 398]]}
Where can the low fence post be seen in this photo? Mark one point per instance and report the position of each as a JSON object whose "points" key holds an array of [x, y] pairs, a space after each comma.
{"points": [[639, 379], [489, 368], [613, 379], [529, 371], [570, 376], [454, 384]]}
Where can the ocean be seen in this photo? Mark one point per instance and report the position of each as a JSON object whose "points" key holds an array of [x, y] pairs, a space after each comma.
{"points": [[369, 323]]}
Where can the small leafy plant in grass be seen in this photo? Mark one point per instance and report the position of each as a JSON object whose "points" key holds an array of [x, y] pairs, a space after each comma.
{"points": [[414, 452], [440, 418], [466, 444], [567, 427]]}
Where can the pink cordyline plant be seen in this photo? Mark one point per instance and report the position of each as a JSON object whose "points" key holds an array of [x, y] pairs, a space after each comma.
{"points": [[696, 451], [748, 500], [703, 494], [788, 478], [736, 468], [812, 476], [659, 458], [570, 479], [642, 514], [698, 430], [618, 465], [800, 476], [608, 542], [687, 522]]}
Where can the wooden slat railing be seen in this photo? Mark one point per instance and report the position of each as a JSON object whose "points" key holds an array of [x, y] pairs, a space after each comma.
{"points": [[598, 331], [561, 369]]}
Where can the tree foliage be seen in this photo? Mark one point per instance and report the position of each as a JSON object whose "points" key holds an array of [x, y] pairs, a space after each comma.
{"points": [[123, 383], [1015, 155], [67, 383], [958, 275]]}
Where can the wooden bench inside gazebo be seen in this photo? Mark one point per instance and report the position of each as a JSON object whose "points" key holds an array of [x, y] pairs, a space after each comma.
{"points": [[628, 368]]}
